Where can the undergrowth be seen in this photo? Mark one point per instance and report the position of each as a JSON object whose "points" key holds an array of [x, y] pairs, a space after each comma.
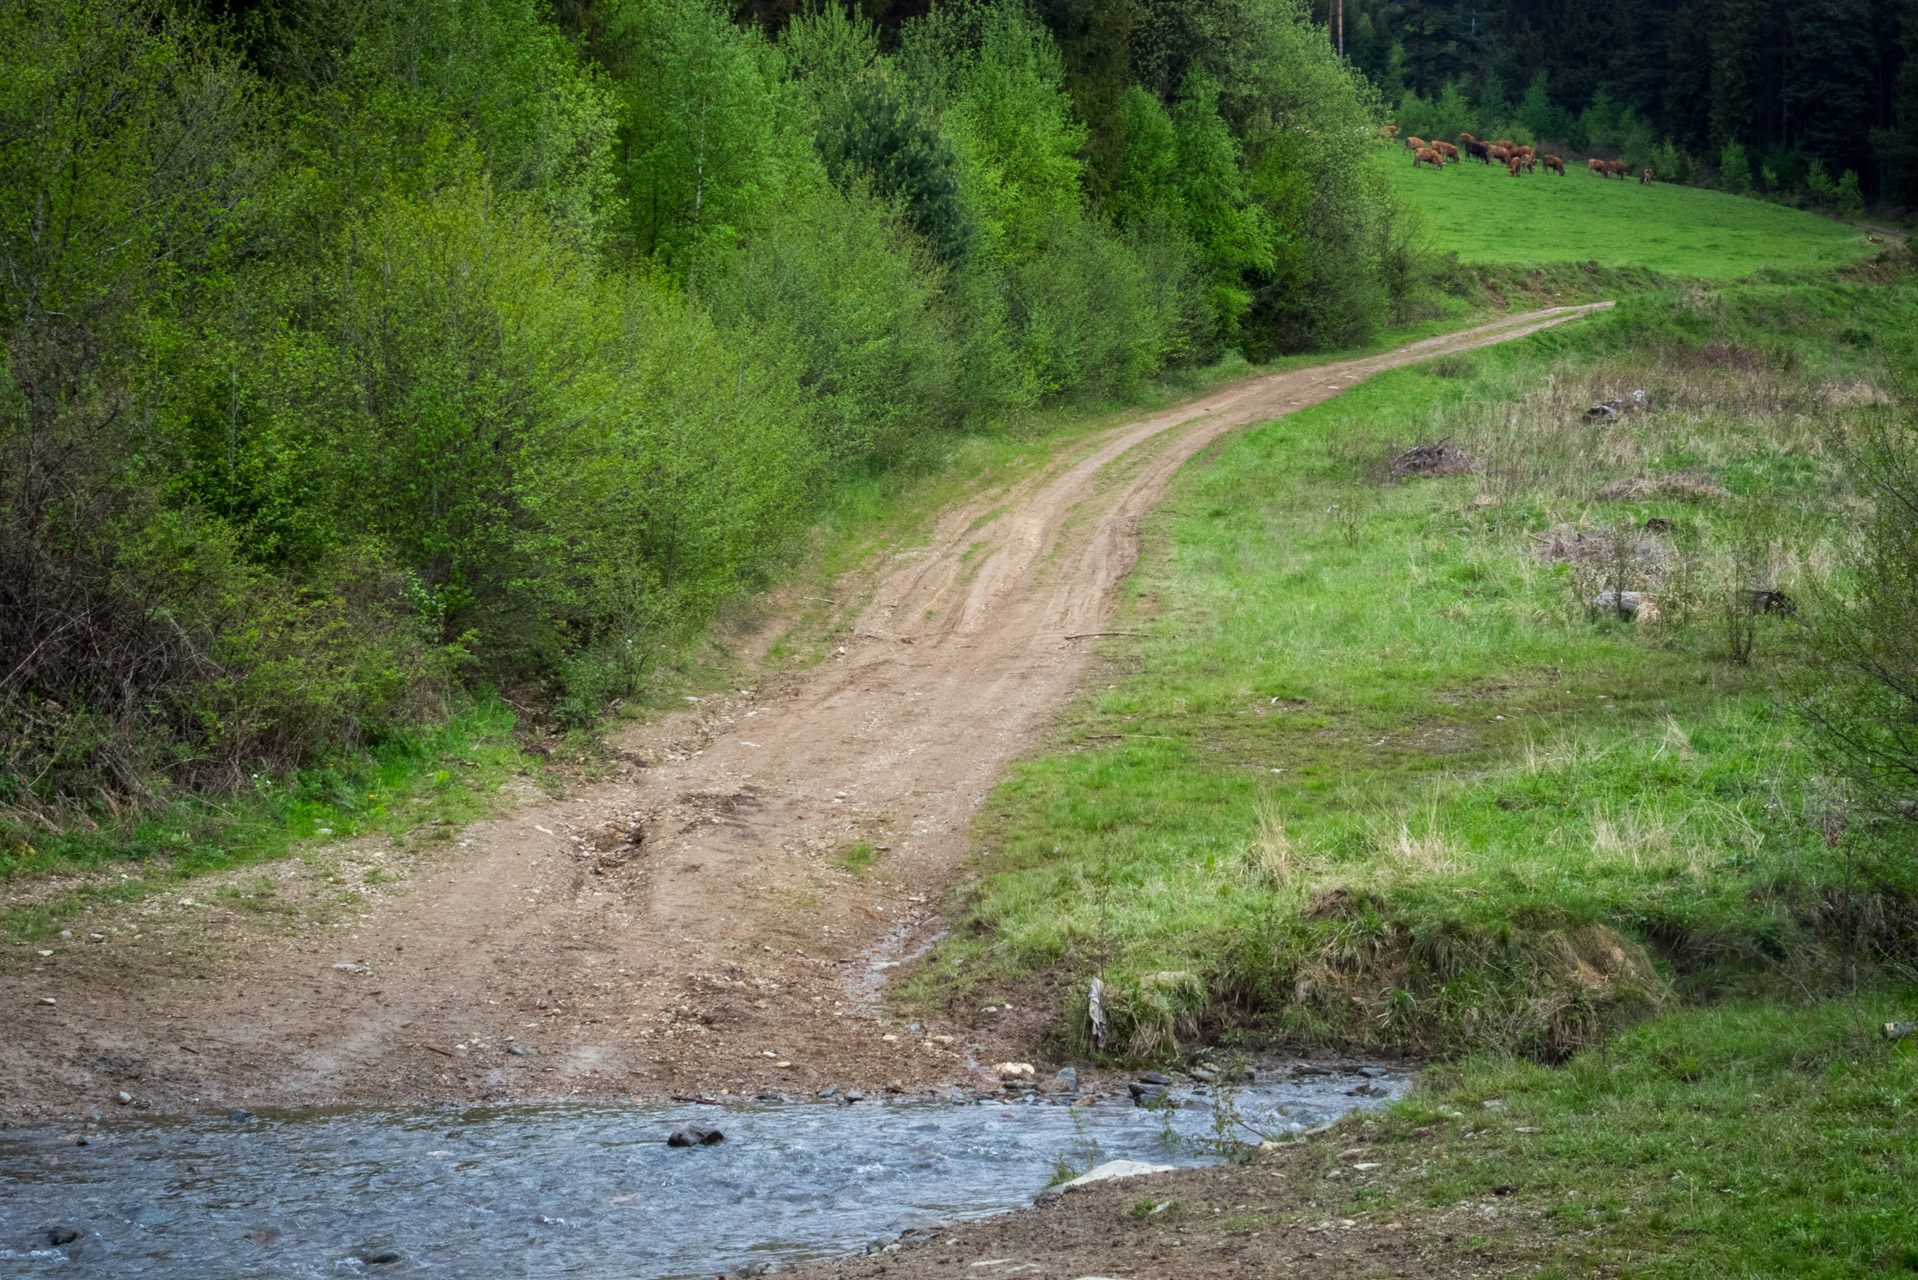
{"points": [[424, 784]]}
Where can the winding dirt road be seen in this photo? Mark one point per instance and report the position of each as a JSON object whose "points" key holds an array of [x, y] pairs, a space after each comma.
{"points": [[732, 949]]}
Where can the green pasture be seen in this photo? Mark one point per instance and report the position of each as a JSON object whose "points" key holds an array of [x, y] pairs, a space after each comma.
{"points": [[1486, 216]]}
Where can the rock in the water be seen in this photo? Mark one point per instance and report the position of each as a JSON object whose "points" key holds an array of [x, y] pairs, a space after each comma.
{"points": [[1105, 1173], [1068, 1079], [123, 1098], [377, 1253], [62, 1235], [1153, 1077], [239, 1115], [1143, 1092], [695, 1135], [851, 1096], [830, 1091], [1373, 1073]]}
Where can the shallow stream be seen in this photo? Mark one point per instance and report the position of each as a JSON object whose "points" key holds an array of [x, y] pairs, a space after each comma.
{"points": [[577, 1190]]}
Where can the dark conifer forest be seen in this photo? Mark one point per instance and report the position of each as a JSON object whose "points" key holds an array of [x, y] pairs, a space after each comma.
{"points": [[1779, 96]]}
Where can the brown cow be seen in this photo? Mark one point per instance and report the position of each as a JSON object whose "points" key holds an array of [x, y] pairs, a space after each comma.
{"points": [[1615, 169], [1553, 162], [1644, 179], [1526, 150], [1416, 144], [1428, 156], [1447, 150], [1595, 165], [1498, 153], [1466, 137], [1388, 131], [1526, 162], [1513, 163]]}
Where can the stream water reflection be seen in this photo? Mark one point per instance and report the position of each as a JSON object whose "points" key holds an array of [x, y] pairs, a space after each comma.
{"points": [[570, 1190]]}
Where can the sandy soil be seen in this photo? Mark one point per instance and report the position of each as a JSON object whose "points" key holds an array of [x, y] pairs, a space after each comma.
{"points": [[544, 954]]}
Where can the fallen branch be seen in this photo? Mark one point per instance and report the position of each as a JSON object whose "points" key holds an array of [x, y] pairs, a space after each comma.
{"points": [[1087, 635]]}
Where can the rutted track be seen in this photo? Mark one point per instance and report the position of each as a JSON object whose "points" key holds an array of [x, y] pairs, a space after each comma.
{"points": [[732, 952]]}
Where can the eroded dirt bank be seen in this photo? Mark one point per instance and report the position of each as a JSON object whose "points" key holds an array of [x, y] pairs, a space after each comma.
{"points": [[1287, 1213], [541, 955]]}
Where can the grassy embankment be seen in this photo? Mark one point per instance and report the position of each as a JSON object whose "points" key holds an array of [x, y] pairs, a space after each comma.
{"points": [[1744, 1140], [1381, 773]]}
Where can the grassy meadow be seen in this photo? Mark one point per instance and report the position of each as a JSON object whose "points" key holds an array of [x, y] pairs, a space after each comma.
{"points": [[1380, 773], [1486, 216]]}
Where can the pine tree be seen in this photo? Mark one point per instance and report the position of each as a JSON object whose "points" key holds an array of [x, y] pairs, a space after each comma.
{"points": [[1896, 148], [1737, 49], [1688, 77], [1829, 90]]}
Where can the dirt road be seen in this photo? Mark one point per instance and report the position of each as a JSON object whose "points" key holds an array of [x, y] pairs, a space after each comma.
{"points": [[733, 950]]}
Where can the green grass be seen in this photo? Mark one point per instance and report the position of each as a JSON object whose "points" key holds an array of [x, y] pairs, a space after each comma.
{"points": [[433, 780], [1379, 773], [1746, 1140], [1486, 216]]}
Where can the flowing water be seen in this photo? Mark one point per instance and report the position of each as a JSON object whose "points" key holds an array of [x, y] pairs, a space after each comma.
{"points": [[578, 1190]]}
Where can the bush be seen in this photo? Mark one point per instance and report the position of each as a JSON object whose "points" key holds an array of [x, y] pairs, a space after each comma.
{"points": [[409, 347], [1734, 168], [1866, 706]]}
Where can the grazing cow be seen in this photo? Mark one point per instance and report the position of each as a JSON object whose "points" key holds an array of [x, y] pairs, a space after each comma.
{"points": [[1476, 150], [1428, 156], [1447, 150], [1416, 144], [1525, 150], [1388, 131], [1507, 143], [1615, 169], [1498, 153], [1595, 165], [1466, 137], [1645, 178], [1554, 163], [1525, 162], [1513, 163]]}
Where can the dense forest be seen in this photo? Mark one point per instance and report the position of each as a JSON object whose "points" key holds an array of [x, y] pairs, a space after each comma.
{"points": [[360, 353], [1778, 96]]}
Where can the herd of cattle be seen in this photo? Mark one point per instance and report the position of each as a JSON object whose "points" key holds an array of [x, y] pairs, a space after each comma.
{"points": [[1515, 157]]}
